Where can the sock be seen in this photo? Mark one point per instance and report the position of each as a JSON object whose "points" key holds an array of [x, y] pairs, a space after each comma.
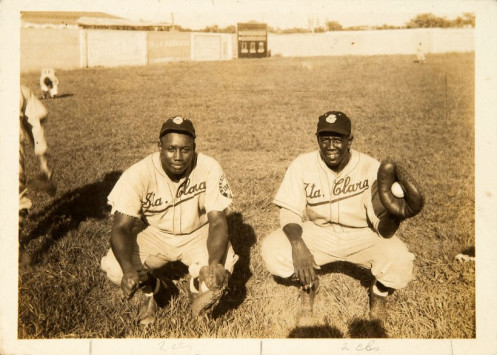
{"points": [[149, 289], [194, 285], [380, 290]]}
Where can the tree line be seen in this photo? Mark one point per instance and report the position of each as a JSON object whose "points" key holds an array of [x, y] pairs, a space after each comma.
{"points": [[425, 20]]}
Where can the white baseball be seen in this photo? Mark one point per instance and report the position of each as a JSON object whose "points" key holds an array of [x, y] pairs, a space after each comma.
{"points": [[203, 287], [397, 190]]}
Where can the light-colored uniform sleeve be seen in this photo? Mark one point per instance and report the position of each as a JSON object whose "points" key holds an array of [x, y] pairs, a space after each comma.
{"points": [[291, 193], [218, 195], [287, 217], [34, 112], [126, 197]]}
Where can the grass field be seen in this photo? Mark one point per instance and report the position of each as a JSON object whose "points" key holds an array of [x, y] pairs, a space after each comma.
{"points": [[255, 117]]}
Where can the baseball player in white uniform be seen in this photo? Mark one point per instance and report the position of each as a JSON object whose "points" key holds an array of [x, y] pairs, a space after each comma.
{"points": [[49, 83], [328, 213], [420, 53], [32, 114], [171, 206]]}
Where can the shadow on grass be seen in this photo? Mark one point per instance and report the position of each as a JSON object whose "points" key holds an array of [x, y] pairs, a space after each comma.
{"points": [[69, 210], [318, 331], [242, 238], [361, 328], [363, 275], [58, 97], [172, 271], [338, 267]]}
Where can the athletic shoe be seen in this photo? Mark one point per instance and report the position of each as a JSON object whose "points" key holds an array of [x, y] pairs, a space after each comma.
{"points": [[160, 298], [377, 306], [307, 298], [148, 310]]}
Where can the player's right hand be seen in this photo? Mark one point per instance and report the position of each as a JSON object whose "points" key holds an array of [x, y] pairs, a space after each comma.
{"points": [[304, 264], [129, 283]]}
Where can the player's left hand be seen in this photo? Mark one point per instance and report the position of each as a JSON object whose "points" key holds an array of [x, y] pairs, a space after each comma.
{"points": [[401, 208]]}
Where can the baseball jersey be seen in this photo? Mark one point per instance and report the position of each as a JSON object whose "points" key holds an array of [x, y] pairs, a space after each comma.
{"points": [[145, 191], [316, 193]]}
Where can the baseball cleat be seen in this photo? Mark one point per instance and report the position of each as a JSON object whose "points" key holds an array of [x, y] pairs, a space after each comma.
{"points": [[377, 306], [159, 298], [147, 311], [307, 298]]}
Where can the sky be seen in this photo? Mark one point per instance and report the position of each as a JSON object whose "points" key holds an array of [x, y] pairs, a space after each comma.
{"points": [[197, 14]]}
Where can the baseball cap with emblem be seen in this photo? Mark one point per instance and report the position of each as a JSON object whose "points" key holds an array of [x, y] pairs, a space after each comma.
{"points": [[177, 124], [336, 122]]}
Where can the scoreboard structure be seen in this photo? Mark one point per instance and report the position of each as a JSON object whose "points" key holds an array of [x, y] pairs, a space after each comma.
{"points": [[252, 40]]}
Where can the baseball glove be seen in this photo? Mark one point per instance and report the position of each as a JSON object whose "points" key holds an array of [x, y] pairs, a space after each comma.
{"points": [[413, 200], [43, 183], [213, 283], [389, 209]]}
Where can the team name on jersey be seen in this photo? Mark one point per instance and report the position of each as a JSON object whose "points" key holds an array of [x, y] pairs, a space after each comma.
{"points": [[151, 201], [345, 187], [311, 191], [341, 187], [185, 189]]}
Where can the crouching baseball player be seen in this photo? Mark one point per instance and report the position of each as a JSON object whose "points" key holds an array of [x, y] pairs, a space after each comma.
{"points": [[336, 204], [49, 83], [171, 206]]}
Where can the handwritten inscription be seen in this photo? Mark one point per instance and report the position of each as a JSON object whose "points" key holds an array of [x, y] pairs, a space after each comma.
{"points": [[181, 348], [367, 347]]}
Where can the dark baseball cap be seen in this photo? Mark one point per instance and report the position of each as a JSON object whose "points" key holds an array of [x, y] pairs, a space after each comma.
{"points": [[177, 124], [335, 122]]}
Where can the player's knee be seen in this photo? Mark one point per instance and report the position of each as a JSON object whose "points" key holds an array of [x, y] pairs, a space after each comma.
{"points": [[396, 272], [268, 245], [275, 254], [111, 267]]}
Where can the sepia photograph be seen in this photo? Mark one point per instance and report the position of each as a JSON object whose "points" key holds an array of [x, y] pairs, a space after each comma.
{"points": [[248, 177]]}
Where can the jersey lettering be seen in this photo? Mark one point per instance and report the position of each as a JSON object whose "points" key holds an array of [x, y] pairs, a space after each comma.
{"points": [[151, 201], [311, 191], [186, 190], [343, 186]]}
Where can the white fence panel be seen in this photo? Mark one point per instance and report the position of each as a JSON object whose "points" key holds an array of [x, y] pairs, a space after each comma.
{"points": [[111, 48], [371, 42]]}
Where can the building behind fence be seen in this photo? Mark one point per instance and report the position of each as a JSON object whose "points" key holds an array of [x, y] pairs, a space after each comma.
{"points": [[82, 42]]}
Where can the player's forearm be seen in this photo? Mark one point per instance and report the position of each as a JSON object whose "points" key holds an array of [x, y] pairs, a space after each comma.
{"points": [[293, 232], [217, 241], [122, 247]]}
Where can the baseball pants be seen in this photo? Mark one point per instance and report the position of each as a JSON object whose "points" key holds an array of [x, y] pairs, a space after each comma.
{"points": [[390, 261], [154, 249]]}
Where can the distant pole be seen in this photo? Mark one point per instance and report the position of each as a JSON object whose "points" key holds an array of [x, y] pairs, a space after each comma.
{"points": [[172, 18]]}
